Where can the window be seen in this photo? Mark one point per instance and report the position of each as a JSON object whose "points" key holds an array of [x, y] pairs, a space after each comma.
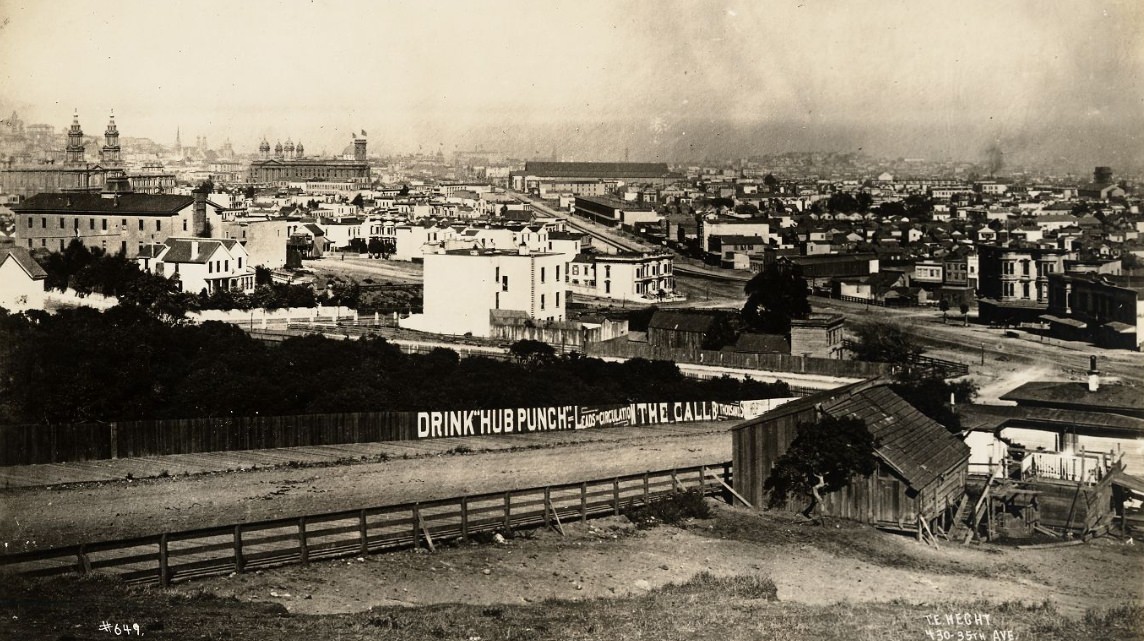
{"points": [[103, 224], [158, 225], [558, 273], [607, 287], [210, 267], [140, 224], [184, 224], [226, 265], [575, 270], [542, 301], [123, 247], [123, 223], [542, 280], [240, 262], [91, 223], [29, 222], [558, 299], [44, 223], [61, 223], [504, 283], [607, 271]]}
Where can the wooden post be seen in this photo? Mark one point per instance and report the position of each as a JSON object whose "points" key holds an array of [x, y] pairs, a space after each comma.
{"points": [[425, 531], [164, 568], [83, 560], [584, 502], [363, 532], [303, 548], [416, 527], [507, 511], [465, 519], [646, 491], [239, 561], [547, 506], [702, 480], [616, 495]]}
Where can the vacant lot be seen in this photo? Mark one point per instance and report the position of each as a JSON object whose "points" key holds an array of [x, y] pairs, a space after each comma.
{"points": [[737, 575]]}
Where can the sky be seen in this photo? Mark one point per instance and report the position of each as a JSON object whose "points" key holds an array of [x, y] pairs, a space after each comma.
{"points": [[594, 80]]}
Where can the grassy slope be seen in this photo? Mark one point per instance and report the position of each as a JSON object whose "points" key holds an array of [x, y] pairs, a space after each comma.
{"points": [[743, 607]]}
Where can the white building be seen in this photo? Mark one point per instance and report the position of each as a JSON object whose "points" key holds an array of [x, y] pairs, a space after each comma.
{"points": [[461, 287], [200, 264], [264, 239], [628, 276], [21, 280]]}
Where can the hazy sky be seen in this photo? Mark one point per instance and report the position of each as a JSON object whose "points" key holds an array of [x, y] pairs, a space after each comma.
{"points": [[590, 79]]}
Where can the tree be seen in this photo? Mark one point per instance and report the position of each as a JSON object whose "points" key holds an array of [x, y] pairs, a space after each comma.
{"points": [[358, 201], [774, 298], [884, 342], [747, 209], [943, 304], [965, 314], [534, 353], [374, 248], [823, 457], [930, 395]]}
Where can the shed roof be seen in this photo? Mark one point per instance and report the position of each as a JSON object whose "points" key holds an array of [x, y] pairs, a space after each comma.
{"points": [[681, 321], [1107, 398], [124, 204], [23, 258], [919, 448]]}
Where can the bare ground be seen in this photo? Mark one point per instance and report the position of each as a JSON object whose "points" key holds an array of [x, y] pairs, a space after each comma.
{"points": [[610, 558], [51, 516]]}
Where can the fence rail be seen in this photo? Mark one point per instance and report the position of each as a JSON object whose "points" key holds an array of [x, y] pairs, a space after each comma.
{"points": [[240, 547]]}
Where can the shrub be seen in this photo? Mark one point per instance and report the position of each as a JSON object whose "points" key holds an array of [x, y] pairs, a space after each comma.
{"points": [[675, 509]]}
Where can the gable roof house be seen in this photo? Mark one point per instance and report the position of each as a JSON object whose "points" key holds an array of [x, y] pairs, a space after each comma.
{"points": [[921, 466], [200, 264], [21, 280]]}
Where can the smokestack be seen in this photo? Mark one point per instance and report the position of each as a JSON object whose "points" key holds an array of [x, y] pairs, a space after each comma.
{"points": [[1093, 375]]}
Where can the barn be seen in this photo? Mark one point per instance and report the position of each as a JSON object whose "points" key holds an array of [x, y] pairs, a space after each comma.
{"points": [[921, 467], [686, 329]]}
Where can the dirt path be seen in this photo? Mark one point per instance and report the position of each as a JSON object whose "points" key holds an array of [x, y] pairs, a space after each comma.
{"points": [[41, 517]]}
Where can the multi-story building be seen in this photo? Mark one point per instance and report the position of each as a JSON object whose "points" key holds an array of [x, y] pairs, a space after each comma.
{"points": [[264, 240], [614, 213], [289, 163], [1105, 309], [539, 176], [200, 264], [1019, 274], [623, 276], [114, 222], [461, 287], [1013, 282], [712, 225]]}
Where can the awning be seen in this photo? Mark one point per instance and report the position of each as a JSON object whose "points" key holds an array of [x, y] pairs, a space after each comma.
{"points": [[1133, 484], [1120, 328], [1071, 322]]}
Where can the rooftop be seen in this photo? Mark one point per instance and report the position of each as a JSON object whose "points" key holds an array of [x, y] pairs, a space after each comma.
{"points": [[598, 169], [1108, 398], [124, 204]]}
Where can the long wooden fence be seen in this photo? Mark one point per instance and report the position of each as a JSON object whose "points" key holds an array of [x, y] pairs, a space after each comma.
{"points": [[622, 348], [240, 547]]}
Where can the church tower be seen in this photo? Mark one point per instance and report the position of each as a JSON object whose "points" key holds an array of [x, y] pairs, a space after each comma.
{"points": [[110, 155], [264, 150], [75, 146]]}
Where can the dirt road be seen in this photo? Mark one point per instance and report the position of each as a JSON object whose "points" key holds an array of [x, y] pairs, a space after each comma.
{"points": [[40, 517]]}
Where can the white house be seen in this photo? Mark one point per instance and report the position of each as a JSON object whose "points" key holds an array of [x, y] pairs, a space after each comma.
{"points": [[461, 287], [21, 280], [200, 264], [626, 276]]}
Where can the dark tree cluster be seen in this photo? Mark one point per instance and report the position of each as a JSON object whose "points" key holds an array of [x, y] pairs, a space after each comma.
{"points": [[774, 298], [84, 365], [823, 457]]}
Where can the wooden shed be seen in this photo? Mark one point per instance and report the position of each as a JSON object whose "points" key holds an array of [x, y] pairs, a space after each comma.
{"points": [[673, 328], [921, 468]]}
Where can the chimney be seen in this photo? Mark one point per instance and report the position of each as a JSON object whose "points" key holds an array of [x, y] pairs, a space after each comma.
{"points": [[199, 213], [194, 249], [523, 249], [1093, 375]]}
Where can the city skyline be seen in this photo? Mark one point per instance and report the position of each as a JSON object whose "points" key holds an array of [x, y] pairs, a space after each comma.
{"points": [[595, 80]]}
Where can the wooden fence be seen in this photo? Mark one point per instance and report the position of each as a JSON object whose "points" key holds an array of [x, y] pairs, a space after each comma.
{"points": [[622, 348], [240, 547]]}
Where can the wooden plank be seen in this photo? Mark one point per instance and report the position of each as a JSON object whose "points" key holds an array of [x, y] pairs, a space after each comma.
{"points": [[425, 530], [730, 489], [548, 507]]}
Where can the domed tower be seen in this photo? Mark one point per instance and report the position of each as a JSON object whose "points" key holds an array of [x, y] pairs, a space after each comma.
{"points": [[299, 150], [75, 146], [110, 154], [278, 151], [264, 150], [288, 148]]}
